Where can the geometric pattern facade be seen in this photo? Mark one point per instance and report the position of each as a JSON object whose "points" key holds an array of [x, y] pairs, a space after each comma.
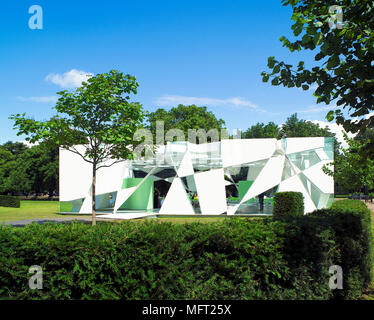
{"points": [[223, 177]]}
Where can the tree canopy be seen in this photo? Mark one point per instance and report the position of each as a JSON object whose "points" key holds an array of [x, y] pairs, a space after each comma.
{"points": [[295, 127], [33, 169], [352, 172], [344, 55], [13, 177], [16, 148], [185, 118], [97, 115], [261, 130]]}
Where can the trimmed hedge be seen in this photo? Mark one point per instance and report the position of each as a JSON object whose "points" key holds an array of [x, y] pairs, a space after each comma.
{"points": [[237, 258], [288, 204], [353, 237], [9, 201]]}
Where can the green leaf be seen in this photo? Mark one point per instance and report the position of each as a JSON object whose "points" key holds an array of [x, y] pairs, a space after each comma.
{"points": [[305, 87], [330, 116], [271, 62], [306, 39], [317, 40], [333, 62]]}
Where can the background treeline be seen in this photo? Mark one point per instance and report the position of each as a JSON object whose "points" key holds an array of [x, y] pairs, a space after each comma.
{"points": [[28, 170], [34, 170]]}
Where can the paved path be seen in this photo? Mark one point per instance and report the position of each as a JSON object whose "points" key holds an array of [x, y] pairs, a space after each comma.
{"points": [[370, 206], [128, 216], [21, 223]]}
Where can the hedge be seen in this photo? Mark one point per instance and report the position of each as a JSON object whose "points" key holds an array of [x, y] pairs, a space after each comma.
{"points": [[288, 204], [9, 201], [237, 258], [353, 233]]}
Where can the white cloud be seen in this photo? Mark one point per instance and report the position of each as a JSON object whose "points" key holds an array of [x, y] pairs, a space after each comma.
{"points": [[316, 109], [338, 129], [369, 115], [335, 128], [29, 144], [43, 99], [173, 100], [69, 79], [313, 87]]}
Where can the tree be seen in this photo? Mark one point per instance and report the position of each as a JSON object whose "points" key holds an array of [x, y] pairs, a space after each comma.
{"points": [[368, 135], [351, 170], [24, 169], [13, 176], [41, 165], [16, 148], [49, 168], [97, 115], [185, 118], [344, 55], [295, 127], [260, 130]]}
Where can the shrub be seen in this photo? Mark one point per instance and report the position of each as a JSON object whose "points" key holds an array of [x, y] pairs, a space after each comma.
{"points": [[288, 204], [351, 221], [9, 201], [235, 258]]}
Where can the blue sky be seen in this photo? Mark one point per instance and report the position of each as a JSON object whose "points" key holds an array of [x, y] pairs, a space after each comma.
{"points": [[204, 52]]}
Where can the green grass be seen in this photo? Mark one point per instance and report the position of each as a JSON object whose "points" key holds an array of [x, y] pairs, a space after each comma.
{"points": [[180, 220], [32, 210]]}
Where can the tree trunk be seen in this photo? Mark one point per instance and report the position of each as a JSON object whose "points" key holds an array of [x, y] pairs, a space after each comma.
{"points": [[50, 194], [94, 194]]}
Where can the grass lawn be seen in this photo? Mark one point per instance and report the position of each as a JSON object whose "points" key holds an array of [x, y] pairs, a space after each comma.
{"points": [[31, 210], [179, 220]]}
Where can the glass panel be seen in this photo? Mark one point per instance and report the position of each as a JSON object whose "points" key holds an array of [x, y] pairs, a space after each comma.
{"points": [[71, 206], [142, 198], [320, 199], [284, 144], [330, 200], [329, 147], [287, 170], [262, 204], [190, 187], [106, 201], [304, 159]]}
